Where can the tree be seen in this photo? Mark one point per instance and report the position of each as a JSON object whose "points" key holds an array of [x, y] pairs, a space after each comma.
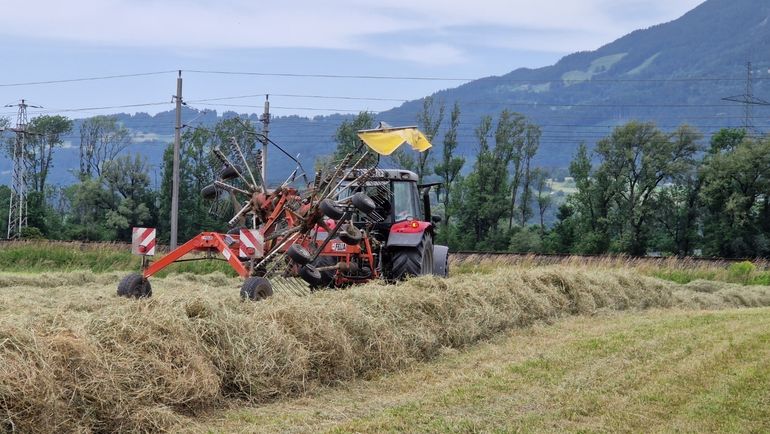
{"points": [[543, 197], [429, 121], [48, 132], [486, 189], [736, 198], [531, 144], [102, 138], [450, 166], [348, 141], [510, 133], [126, 179]]}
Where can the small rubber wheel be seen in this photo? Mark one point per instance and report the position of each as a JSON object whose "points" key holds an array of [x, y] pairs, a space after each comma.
{"points": [[363, 203], [210, 192], [135, 286], [350, 234], [229, 172], [330, 209], [311, 275], [256, 288], [299, 254]]}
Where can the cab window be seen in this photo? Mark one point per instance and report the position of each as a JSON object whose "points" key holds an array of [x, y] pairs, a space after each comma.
{"points": [[404, 201]]}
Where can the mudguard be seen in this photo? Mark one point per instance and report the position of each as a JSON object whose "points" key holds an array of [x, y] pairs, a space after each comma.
{"points": [[407, 233], [441, 261]]}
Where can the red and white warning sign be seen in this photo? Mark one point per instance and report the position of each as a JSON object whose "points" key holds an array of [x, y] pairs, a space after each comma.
{"points": [[143, 241], [252, 244]]}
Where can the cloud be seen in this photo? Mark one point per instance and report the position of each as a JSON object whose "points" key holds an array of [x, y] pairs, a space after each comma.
{"points": [[335, 24]]}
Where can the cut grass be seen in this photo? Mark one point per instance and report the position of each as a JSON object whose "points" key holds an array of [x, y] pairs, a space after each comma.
{"points": [[661, 371], [74, 357]]}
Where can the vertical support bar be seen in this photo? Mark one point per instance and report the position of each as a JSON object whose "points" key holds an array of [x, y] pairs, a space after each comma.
{"points": [[175, 170]]}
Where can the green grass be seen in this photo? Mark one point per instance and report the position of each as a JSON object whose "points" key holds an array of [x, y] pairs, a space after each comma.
{"points": [[41, 257], [662, 371]]}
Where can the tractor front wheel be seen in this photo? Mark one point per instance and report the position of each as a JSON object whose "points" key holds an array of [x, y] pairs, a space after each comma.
{"points": [[135, 286], [256, 288], [413, 261]]}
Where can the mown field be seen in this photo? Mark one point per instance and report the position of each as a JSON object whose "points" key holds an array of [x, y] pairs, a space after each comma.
{"points": [[496, 347]]}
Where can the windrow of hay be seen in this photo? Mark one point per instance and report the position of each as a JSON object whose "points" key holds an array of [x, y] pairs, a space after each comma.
{"points": [[145, 365]]}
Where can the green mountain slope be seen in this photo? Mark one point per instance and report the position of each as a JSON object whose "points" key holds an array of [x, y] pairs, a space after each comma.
{"points": [[672, 73]]}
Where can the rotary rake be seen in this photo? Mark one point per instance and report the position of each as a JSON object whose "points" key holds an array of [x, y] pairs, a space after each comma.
{"points": [[352, 224]]}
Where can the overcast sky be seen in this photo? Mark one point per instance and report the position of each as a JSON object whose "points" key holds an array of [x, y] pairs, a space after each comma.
{"points": [[54, 40]]}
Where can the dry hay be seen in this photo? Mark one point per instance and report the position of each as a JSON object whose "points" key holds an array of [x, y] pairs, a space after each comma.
{"points": [[125, 365]]}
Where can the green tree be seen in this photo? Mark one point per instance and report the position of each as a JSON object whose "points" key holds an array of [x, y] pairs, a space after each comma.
{"points": [[485, 190], [48, 135], [531, 145], [543, 197], [102, 138], [736, 198], [450, 166], [348, 142]]}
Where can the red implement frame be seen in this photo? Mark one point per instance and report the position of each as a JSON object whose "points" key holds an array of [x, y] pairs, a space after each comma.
{"points": [[210, 242]]}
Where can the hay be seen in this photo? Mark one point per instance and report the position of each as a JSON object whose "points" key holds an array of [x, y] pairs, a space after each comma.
{"points": [[124, 365]]}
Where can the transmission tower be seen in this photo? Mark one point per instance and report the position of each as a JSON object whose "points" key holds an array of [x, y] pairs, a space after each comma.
{"points": [[17, 211], [749, 101]]}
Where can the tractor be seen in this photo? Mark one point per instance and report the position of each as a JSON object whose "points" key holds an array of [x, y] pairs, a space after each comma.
{"points": [[350, 225]]}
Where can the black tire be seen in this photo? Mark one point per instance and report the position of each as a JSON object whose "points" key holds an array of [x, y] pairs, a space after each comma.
{"points": [[210, 192], [299, 254], [256, 288], [363, 203], [135, 286], [330, 209], [311, 275], [327, 276], [229, 172], [413, 261], [441, 261], [350, 234]]}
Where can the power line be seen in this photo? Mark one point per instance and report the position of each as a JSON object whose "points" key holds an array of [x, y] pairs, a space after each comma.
{"points": [[73, 80]]}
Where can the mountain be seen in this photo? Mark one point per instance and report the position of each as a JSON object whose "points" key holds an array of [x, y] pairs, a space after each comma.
{"points": [[672, 73], [668, 73]]}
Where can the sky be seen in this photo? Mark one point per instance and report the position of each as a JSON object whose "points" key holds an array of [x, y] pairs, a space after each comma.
{"points": [[438, 43]]}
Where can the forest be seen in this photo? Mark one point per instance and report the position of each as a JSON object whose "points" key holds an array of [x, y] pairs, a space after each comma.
{"points": [[638, 191]]}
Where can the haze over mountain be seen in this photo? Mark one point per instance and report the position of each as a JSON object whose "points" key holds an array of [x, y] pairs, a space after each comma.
{"points": [[672, 73]]}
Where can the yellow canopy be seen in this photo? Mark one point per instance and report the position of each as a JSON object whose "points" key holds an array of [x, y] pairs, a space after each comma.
{"points": [[385, 142]]}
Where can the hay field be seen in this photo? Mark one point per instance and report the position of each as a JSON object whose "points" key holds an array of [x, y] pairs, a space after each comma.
{"points": [[75, 358]]}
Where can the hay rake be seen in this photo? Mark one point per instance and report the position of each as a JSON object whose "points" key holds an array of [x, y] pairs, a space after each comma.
{"points": [[352, 224]]}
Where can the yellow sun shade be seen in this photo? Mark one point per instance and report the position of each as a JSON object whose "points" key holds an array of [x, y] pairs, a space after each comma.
{"points": [[386, 142]]}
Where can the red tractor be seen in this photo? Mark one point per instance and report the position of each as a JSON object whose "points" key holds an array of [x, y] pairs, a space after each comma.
{"points": [[351, 225]]}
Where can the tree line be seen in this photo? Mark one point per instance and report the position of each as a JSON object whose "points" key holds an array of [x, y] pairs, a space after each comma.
{"points": [[638, 191]]}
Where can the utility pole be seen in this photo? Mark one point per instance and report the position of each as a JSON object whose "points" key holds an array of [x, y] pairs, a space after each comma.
{"points": [[17, 209], [265, 141], [175, 169], [748, 100]]}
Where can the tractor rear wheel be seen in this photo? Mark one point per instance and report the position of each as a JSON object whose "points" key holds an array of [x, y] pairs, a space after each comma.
{"points": [[135, 286], [413, 261], [256, 288]]}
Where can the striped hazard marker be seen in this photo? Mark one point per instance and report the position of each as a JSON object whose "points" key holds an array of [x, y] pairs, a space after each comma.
{"points": [[143, 241], [252, 244]]}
